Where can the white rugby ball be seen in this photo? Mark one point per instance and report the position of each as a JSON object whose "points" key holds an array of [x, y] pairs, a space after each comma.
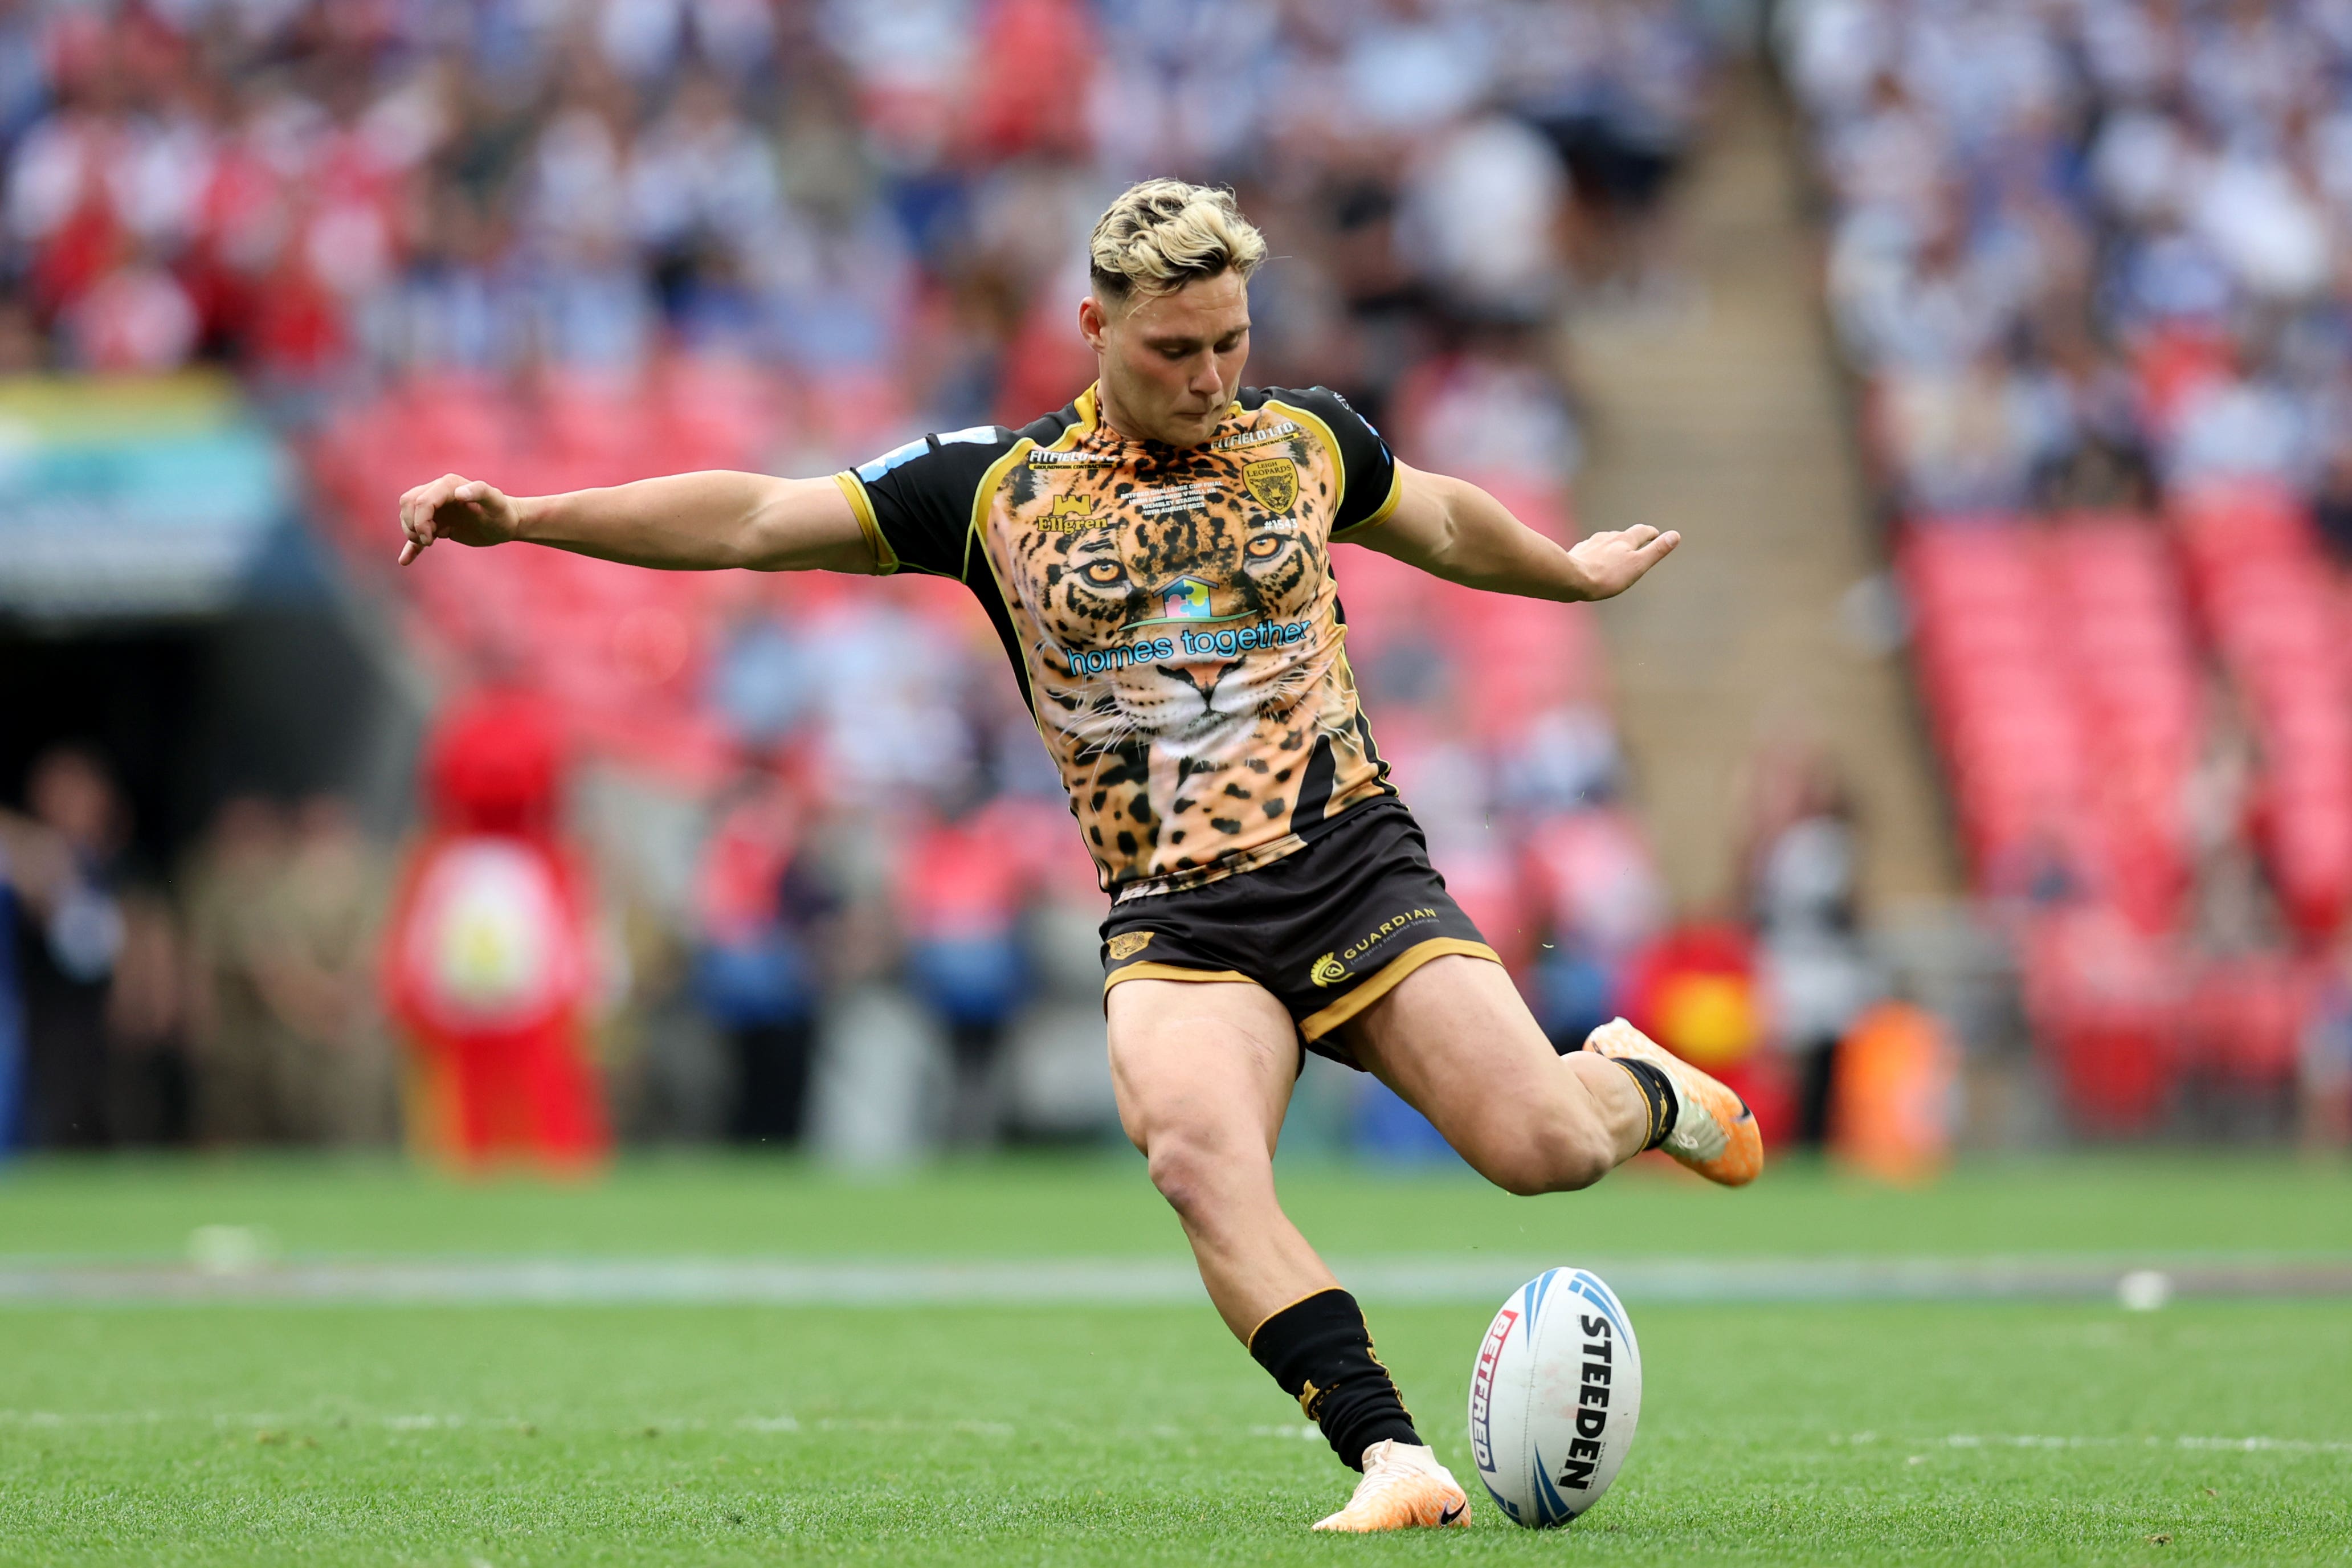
{"points": [[1554, 1397]]}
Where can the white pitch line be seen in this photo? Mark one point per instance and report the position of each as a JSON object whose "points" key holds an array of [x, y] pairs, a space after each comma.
{"points": [[789, 1426], [1137, 1281], [2045, 1440], [273, 1421]]}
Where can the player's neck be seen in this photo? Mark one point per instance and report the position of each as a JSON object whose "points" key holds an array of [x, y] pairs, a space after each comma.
{"points": [[1114, 421]]}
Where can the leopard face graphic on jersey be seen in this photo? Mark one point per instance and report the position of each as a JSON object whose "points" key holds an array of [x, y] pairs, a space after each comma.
{"points": [[1181, 687], [1147, 584], [1183, 657], [1176, 622]]}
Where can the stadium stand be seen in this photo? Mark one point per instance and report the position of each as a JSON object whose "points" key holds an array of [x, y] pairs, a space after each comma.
{"points": [[2085, 263]]}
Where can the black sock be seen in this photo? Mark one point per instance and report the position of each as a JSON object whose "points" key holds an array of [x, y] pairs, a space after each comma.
{"points": [[1657, 1093], [1321, 1353]]}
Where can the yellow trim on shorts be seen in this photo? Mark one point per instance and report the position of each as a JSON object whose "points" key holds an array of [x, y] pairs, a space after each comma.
{"points": [[1315, 1025], [1171, 972], [886, 560]]}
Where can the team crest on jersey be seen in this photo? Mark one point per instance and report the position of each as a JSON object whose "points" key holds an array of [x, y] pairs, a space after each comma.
{"points": [[1127, 944], [1273, 481]]}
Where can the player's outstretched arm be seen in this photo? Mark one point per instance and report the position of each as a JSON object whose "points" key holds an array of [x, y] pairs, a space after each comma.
{"points": [[683, 522], [1452, 529]]}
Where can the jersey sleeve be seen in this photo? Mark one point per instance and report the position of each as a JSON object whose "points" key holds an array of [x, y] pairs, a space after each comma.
{"points": [[1368, 480], [914, 503]]}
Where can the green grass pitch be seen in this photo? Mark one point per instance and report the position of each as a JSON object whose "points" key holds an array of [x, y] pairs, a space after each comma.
{"points": [[2209, 1431]]}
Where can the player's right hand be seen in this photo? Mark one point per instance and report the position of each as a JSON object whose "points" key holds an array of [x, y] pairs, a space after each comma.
{"points": [[456, 508]]}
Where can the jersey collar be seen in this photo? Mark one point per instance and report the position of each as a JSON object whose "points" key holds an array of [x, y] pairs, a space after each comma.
{"points": [[1087, 406]]}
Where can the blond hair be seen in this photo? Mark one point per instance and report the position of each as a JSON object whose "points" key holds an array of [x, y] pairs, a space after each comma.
{"points": [[1164, 234]]}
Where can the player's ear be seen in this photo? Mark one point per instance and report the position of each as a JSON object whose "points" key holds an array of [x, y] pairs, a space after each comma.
{"points": [[1093, 320]]}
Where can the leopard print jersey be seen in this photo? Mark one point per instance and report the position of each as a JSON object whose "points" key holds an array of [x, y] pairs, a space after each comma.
{"points": [[1173, 614]]}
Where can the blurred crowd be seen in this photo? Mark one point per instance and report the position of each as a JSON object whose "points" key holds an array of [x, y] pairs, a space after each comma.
{"points": [[513, 979], [2089, 261], [2087, 248], [324, 192], [542, 966], [229, 999]]}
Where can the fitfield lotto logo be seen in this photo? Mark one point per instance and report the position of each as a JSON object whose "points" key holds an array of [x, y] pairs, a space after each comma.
{"points": [[1482, 1389]]}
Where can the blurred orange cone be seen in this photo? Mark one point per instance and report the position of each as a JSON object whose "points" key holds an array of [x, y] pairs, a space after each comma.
{"points": [[1893, 1103]]}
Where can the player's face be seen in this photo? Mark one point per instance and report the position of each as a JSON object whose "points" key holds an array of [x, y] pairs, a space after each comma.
{"points": [[1170, 363]]}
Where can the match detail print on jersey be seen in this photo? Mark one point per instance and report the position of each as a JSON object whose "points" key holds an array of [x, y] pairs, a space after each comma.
{"points": [[1170, 612]]}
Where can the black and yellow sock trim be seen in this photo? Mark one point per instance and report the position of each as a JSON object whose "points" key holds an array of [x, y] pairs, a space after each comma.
{"points": [[1657, 1094], [1321, 1353]]}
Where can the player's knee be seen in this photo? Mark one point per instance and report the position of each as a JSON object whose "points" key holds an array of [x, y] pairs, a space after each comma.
{"points": [[1546, 1157], [1182, 1171], [1583, 1158], [1190, 1169]]}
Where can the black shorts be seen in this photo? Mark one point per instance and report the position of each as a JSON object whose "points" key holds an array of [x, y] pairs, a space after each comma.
{"points": [[1330, 929]]}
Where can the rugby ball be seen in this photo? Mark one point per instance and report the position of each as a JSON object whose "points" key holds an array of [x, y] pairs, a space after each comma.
{"points": [[1554, 1397]]}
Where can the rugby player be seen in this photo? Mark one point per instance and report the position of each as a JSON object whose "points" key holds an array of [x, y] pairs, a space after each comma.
{"points": [[1155, 557]]}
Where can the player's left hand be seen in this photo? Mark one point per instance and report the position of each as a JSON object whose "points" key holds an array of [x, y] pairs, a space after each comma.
{"points": [[454, 507], [1612, 562]]}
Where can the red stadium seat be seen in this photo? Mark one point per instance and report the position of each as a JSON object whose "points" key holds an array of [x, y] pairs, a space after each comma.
{"points": [[2275, 617], [2244, 1018], [2062, 686], [2104, 998]]}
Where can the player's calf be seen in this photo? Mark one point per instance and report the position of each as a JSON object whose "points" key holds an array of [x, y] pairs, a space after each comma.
{"points": [[1456, 1040], [1559, 1148]]}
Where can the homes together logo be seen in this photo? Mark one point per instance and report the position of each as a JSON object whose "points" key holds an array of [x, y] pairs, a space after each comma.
{"points": [[1185, 599], [1222, 642]]}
